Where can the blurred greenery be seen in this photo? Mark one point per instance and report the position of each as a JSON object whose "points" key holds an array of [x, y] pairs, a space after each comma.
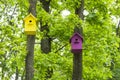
{"points": [[101, 59]]}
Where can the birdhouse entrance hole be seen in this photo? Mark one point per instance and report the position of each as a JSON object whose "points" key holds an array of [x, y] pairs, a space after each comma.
{"points": [[30, 21], [76, 40]]}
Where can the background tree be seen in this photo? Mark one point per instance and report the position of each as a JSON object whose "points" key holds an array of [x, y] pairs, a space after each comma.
{"points": [[100, 40]]}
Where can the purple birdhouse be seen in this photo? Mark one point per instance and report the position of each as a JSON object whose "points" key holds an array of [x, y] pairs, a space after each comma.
{"points": [[76, 43]]}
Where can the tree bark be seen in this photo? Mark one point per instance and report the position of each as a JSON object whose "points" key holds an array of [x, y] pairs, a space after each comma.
{"points": [[77, 66], [29, 58], [30, 46], [46, 40], [77, 58], [17, 73], [80, 9], [118, 32]]}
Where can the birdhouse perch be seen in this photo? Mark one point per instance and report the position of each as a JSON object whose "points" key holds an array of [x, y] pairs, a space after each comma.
{"points": [[76, 43], [30, 24]]}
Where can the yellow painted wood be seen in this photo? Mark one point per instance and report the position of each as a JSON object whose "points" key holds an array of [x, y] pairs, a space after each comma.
{"points": [[30, 24]]}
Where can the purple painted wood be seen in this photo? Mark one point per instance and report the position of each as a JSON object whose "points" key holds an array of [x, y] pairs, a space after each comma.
{"points": [[76, 43]]}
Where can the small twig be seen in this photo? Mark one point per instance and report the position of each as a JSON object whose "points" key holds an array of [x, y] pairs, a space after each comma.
{"points": [[37, 42], [61, 48], [14, 10]]}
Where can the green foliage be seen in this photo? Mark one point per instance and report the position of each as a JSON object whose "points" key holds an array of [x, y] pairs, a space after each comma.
{"points": [[100, 47]]}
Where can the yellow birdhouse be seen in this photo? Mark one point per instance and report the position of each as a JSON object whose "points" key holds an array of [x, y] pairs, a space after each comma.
{"points": [[30, 24]]}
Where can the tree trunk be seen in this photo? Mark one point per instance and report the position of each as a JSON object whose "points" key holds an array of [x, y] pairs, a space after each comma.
{"points": [[30, 46], [79, 10], [17, 73], [29, 58], [77, 58], [3, 66], [77, 66], [118, 32], [46, 40]]}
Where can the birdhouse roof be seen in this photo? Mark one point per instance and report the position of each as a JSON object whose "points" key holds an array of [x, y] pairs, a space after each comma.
{"points": [[76, 34], [30, 15]]}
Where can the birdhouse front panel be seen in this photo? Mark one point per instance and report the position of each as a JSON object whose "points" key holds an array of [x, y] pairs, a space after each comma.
{"points": [[30, 21], [76, 43], [30, 30], [30, 25]]}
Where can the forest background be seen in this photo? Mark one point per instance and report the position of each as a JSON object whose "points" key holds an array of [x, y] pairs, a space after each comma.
{"points": [[101, 33]]}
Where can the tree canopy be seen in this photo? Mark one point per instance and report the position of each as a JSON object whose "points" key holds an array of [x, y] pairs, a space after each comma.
{"points": [[101, 34]]}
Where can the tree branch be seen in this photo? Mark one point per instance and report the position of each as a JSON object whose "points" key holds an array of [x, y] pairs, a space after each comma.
{"points": [[14, 10], [61, 48]]}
